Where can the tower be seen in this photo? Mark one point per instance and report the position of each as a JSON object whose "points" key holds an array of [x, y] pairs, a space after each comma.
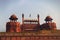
{"points": [[30, 24], [38, 18], [22, 18], [13, 25], [49, 24]]}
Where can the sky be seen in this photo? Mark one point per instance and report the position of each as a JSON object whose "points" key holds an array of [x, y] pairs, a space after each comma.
{"points": [[33, 7]]}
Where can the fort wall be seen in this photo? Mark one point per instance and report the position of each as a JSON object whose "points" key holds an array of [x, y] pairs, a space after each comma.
{"points": [[44, 35]]}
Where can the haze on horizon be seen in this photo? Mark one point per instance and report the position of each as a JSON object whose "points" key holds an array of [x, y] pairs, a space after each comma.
{"points": [[33, 7]]}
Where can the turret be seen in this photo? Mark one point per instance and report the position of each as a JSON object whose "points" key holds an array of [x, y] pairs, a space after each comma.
{"points": [[13, 25], [22, 18], [49, 23], [38, 18]]}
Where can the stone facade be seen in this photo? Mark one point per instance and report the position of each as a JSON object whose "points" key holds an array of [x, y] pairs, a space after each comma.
{"points": [[48, 35], [13, 27], [29, 24]]}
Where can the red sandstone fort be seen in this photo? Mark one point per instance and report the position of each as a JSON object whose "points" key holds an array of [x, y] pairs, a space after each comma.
{"points": [[30, 29], [29, 24]]}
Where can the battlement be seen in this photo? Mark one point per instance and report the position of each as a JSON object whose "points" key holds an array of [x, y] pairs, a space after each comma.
{"points": [[32, 33], [41, 35]]}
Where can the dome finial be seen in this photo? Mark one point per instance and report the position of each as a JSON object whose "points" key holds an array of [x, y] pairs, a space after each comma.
{"points": [[48, 18], [13, 17]]}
